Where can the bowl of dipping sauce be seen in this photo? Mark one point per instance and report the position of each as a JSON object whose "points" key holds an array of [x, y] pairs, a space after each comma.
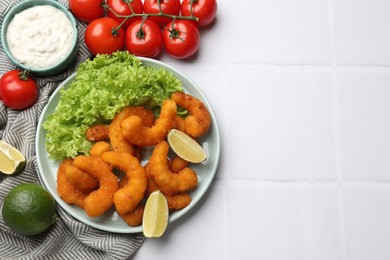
{"points": [[40, 36]]}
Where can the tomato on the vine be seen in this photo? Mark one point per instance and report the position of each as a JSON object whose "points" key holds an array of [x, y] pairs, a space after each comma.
{"points": [[87, 10], [124, 8], [205, 10], [144, 38], [171, 7], [18, 90], [103, 36], [181, 38]]}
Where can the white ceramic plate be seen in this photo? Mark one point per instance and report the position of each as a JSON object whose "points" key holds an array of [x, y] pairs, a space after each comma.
{"points": [[110, 221]]}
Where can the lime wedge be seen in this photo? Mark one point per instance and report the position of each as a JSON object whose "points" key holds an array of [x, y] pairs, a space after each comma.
{"points": [[12, 160], [156, 214], [186, 147]]}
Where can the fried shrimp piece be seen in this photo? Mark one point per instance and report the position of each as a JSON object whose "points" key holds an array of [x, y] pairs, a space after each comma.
{"points": [[170, 183], [151, 183], [138, 153], [137, 133], [177, 164], [97, 133], [81, 180], [180, 124], [100, 200], [175, 202], [178, 201], [99, 148], [181, 200], [128, 197], [118, 142], [134, 217], [198, 122], [65, 189], [123, 181]]}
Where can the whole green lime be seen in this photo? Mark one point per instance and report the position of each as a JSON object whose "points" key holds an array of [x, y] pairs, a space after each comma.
{"points": [[29, 209]]}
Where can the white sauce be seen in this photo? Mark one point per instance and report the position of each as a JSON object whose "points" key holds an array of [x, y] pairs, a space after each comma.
{"points": [[40, 36]]}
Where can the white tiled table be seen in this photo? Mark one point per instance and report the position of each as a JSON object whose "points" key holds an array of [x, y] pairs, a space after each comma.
{"points": [[301, 90]]}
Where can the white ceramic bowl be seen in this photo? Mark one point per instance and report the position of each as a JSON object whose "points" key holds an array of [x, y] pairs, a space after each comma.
{"points": [[61, 65]]}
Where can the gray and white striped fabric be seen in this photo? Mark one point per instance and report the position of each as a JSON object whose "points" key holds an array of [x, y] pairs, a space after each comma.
{"points": [[67, 238]]}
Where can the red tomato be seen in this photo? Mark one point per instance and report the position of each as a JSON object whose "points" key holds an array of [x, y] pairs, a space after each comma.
{"points": [[146, 41], [100, 36], [181, 38], [121, 7], [205, 10], [87, 10], [17, 90], [171, 7]]}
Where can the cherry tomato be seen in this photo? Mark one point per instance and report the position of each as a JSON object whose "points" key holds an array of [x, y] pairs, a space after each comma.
{"points": [[102, 37], [205, 10], [121, 7], [87, 10], [171, 7], [181, 38], [17, 90], [144, 41]]}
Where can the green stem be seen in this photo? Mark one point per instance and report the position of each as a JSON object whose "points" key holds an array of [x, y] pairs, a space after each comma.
{"points": [[159, 6], [129, 5], [145, 16], [23, 75], [173, 33], [140, 33], [191, 3]]}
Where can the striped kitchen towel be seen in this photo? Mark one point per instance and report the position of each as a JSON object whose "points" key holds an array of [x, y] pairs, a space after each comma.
{"points": [[67, 238]]}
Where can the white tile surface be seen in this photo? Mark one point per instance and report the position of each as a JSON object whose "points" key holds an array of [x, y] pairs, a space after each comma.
{"points": [[278, 32], [288, 221], [286, 117], [365, 124], [361, 32], [367, 225], [301, 90]]}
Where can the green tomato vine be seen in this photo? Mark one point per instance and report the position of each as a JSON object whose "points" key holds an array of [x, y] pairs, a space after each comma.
{"points": [[145, 16]]}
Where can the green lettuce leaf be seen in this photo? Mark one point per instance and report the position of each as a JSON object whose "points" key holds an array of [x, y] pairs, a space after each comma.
{"points": [[103, 86]]}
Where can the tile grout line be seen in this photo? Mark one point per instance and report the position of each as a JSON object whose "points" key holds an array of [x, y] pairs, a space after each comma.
{"points": [[313, 182], [339, 170], [336, 118], [327, 67]]}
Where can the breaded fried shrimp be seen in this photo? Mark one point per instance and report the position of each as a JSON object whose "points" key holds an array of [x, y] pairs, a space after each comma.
{"points": [[99, 148], [138, 152], [123, 181], [177, 164], [178, 201], [134, 217], [100, 200], [128, 197], [180, 124], [151, 183], [175, 201], [137, 133], [97, 133], [66, 190], [198, 122], [170, 183], [118, 142], [81, 180]]}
